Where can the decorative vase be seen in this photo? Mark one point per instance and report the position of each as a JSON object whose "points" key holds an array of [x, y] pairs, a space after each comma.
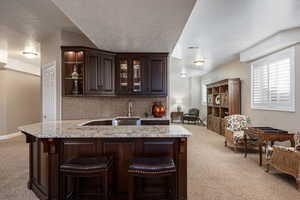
{"points": [[75, 74], [158, 109], [179, 108]]}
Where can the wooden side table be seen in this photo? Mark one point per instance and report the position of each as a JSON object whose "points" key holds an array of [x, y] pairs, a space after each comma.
{"points": [[265, 134], [177, 115]]}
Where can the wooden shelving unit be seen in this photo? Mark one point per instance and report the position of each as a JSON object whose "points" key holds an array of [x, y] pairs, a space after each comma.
{"points": [[223, 99]]}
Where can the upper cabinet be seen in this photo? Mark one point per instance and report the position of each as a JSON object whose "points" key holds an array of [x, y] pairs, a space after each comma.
{"points": [[157, 75], [122, 75], [99, 74], [131, 76], [108, 74], [93, 83], [92, 72], [141, 74], [87, 72]]}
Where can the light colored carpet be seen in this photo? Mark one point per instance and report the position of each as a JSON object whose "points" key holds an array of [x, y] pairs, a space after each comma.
{"points": [[214, 172], [217, 173], [14, 170]]}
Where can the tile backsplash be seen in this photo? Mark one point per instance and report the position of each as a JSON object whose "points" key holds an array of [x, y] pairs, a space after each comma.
{"points": [[101, 107]]}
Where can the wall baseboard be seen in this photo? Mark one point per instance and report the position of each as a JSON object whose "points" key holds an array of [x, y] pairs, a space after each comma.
{"points": [[8, 136]]}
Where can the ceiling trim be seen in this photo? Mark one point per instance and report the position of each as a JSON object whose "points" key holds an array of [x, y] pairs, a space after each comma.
{"points": [[276, 42]]}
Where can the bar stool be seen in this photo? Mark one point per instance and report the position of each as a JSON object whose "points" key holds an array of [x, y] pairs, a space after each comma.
{"points": [[150, 167], [99, 166]]}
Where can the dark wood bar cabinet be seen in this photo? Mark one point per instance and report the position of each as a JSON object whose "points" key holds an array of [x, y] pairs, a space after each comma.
{"points": [[47, 154]]}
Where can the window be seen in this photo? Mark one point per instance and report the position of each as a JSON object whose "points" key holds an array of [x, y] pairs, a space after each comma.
{"points": [[273, 82]]}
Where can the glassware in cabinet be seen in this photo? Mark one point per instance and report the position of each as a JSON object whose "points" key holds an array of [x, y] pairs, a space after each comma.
{"points": [[137, 77], [124, 73]]}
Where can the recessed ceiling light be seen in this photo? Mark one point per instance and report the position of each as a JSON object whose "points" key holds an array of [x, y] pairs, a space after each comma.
{"points": [[193, 47], [199, 62], [29, 54]]}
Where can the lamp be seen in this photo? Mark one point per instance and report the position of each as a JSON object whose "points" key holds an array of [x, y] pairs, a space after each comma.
{"points": [[179, 104]]}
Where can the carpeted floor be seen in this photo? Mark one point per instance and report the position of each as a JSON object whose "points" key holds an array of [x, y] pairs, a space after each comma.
{"points": [[214, 172]]}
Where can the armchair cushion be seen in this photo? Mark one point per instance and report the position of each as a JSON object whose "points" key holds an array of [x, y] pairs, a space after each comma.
{"points": [[269, 149], [193, 112], [238, 138], [237, 122], [284, 148], [297, 147]]}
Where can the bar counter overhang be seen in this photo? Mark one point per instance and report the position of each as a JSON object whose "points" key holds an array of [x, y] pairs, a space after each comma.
{"points": [[54, 143]]}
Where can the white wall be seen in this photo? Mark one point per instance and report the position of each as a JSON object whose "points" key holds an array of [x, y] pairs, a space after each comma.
{"points": [[195, 92], [19, 100], [186, 89], [277, 119], [2, 104]]}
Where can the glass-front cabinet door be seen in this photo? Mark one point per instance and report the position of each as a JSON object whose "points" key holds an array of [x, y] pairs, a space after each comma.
{"points": [[136, 76], [124, 75], [73, 72], [131, 77]]}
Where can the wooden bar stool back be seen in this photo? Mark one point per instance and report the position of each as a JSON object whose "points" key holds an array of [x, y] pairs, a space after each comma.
{"points": [[99, 166], [151, 167]]}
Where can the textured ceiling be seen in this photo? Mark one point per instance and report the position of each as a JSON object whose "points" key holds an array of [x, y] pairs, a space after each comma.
{"points": [[223, 28], [25, 23], [130, 25], [34, 18]]}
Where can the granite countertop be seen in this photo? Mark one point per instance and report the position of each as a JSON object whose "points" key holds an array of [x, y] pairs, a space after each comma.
{"points": [[73, 129]]}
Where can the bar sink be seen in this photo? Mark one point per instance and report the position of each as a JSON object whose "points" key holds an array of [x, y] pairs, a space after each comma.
{"points": [[127, 121], [118, 121], [123, 121], [97, 123]]}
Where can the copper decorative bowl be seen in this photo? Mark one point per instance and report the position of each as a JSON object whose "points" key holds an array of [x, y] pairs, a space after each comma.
{"points": [[158, 109]]}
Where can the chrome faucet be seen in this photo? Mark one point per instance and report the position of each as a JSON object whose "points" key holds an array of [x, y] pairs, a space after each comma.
{"points": [[130, 108]]}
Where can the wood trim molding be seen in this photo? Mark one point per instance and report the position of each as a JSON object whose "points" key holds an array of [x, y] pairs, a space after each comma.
{"points": [[50, 145], [9, 136], [20, 66]]}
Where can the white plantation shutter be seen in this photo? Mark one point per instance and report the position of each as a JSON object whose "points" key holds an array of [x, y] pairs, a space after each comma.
{"points": [[280, 82], [260, 87], [273, 82]]}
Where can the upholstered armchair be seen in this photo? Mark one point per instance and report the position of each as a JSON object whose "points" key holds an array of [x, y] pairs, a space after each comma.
{"points": [[192, 116], [234, 131], [286, 160]]}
